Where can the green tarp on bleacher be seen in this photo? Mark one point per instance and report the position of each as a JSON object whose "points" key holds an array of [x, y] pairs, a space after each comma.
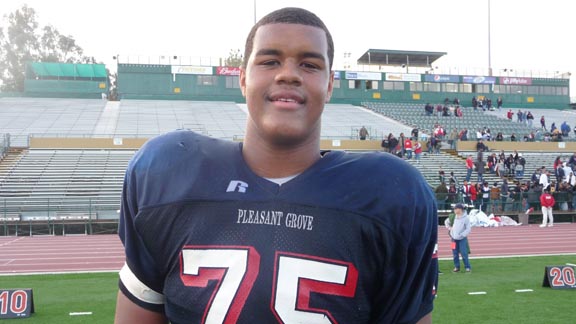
{"points": [[68, 70]]}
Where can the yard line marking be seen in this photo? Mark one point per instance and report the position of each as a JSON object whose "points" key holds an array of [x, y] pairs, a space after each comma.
{"points": [[571, 264], [523, 290], [477, 293], [80, 313]]}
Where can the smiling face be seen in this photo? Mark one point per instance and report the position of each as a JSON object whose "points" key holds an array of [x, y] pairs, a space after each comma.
{"points": [[286, 82]]}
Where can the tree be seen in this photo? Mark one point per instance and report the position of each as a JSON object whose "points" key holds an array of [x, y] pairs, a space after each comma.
{"points": [[234, 58], [23, 40]]}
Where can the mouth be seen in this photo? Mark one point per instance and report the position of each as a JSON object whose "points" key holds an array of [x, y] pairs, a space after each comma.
{"points": [[287, 98]]}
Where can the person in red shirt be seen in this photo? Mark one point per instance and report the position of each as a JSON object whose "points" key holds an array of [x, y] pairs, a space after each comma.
{"points": [[408, 148], [469, 167], [417, 151], [547, 201]]}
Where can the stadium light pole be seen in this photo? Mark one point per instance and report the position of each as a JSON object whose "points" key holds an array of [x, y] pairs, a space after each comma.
{"points": [[254, 12], [489, 43]]}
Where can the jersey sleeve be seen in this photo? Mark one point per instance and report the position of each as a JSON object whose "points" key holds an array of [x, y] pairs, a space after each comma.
{"points": [[140, 280], [413, 281]]}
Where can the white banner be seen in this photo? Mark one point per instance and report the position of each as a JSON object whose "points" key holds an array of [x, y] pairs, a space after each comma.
{"points": [[375, 76], [412, 77], [191, 69]]}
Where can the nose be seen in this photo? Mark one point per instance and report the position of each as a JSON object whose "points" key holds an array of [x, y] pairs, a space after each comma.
{"points": [[289, 72]]}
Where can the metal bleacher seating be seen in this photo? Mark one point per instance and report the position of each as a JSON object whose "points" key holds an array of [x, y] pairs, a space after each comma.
{"points": [[61, 183], [414, 116]]}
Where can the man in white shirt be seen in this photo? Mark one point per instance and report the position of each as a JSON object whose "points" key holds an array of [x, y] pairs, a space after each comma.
{"points": [[544, 178]]}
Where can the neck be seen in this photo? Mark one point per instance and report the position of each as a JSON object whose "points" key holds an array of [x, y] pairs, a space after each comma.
{"points": [[275, 161]]}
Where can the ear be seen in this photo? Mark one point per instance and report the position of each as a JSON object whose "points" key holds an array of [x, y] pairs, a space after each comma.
{"points": [[243, 81], [330, 87]]}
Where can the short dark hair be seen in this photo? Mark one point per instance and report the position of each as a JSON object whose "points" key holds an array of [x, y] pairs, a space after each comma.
{"points": [[289, 15]]}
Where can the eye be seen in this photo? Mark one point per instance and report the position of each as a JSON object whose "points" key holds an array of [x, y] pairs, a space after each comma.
{"points": [[310, 66], [270, 62]]}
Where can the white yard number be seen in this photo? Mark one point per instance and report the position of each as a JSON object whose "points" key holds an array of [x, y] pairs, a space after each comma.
{"points": [[236, 269]]}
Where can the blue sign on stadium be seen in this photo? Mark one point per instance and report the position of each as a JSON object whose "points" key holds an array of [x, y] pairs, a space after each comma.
{"points": [[441, 78], [479, 79]]}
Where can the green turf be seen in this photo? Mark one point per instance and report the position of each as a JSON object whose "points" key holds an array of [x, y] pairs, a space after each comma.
{"points": [[55, 296], [499, 278]]}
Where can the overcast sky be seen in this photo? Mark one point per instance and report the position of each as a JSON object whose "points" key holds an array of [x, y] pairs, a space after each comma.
{"points": [[525, 34]]}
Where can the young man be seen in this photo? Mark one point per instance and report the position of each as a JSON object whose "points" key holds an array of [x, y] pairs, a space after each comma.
{"points": [[271, 230]]}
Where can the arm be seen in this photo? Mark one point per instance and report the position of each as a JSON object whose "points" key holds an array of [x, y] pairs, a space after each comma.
{"points": [[127, 312], [427, 319]]}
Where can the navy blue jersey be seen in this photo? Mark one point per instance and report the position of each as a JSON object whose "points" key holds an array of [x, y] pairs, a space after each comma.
{"points": [[350, 240]]}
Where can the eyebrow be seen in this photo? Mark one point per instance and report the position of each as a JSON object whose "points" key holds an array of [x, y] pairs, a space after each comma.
{"points": [[275, 52]]}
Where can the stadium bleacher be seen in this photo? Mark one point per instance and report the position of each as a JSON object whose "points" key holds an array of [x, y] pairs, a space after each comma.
{"points": [[40, 184]]}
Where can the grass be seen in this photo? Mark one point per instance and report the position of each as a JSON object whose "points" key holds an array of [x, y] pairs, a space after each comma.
{"points": [[55, 296], [499, 278]]}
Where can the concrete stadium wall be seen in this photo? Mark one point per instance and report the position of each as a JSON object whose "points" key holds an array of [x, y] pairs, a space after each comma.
{"points": [[86, 143]]}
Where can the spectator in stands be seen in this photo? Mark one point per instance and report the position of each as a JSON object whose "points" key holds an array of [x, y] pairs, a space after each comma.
{"points": [[489, 104], [463, 136], [414, 134], [441, 175], [519, 167], [543, 123], [535, 177], [459, 231], [429, 109], [439, 110], [480, 146], [453, 179], [529, 119], [456, 102], [500, 169], [499, 137], [469, 167], [552, 127], [484, 196], [475, 103], [559, 173], [363, 133], [480, 165], [572, 161], [499, 103], [547, 202], [452, 194], [458, 112], [441, 195], [465, 191], [452, 138], [401, 145], [510, 114], [544, 180], [417, 151], [519, 116], [491, 162], [567, 171], [408, 148], [392, 144], [565, 129], [513, 137], [504, 194], [494, 198], [509, 165]]}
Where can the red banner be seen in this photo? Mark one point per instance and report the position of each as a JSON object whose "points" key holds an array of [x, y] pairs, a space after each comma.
{"points": [[227, 70]]}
